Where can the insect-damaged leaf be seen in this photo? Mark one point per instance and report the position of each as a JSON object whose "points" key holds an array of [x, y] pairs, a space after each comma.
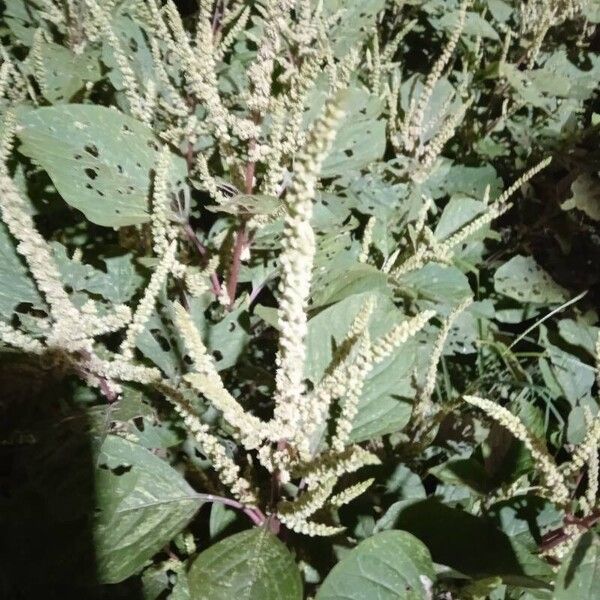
{"points": [[142, 503], [99, 159]]}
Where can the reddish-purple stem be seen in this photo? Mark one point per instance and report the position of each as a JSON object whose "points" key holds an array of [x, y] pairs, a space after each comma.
{"points": [[252, 512]]}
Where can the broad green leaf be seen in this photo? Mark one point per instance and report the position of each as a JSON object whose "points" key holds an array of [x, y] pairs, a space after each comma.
{"points": [[575, 377], [579, 334], [156, 343], [227, 338], [99, 159], [360, 137], [16, 284], [457, 213], [383, 406], [142, 503], [438, 285], [525, 518], [472, 181], [500, 10], [585, 196], [475, 25], [120, 281], [579, 574], [358, 279], [391, 565], [253, 565], [133, 42], [21, 20], [63, 72], [522, 279], [472, 545], [355, 22]]}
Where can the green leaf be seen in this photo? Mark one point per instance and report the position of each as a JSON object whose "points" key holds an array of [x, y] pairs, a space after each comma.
{"points": [[383, 406], [457, 213], [391, 565], [575, 377], [64, 72], [472, 545], [579, 334], [16, 285], [585, 196], [360, 137], [357, 279], [522, 279], [355, 21], [221, 518], [142, 503], [438, 285], [579, 574], [120, 281], [526, 518], [253, 565], [99, 159]]}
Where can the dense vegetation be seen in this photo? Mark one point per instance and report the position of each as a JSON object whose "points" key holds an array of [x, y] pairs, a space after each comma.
{"points": [[298, 299]]}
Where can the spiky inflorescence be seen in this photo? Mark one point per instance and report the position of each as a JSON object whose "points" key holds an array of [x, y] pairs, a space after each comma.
{"points": [[206, 380], [414, 123], [296, 271], [432, 249], [69, 326], [227, 470], [148, 301], [555, 485], [335, 464], [423, 403]]}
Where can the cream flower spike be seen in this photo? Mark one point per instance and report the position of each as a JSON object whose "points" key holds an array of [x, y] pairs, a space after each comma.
{"points": [[554, 481], [296, 271]]}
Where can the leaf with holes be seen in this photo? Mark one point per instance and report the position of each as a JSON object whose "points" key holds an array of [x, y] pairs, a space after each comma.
{"points": [[522, 279], [64, 73], [360, 137], [354, 22], [99, 159], [391, 565], [142, 503], [253, 565]]}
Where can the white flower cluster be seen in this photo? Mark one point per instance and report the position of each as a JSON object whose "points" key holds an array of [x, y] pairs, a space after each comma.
{"points": [[296, 272], [423, 404], [555, 485], [408, 135], [69, 331], [431, 249]]}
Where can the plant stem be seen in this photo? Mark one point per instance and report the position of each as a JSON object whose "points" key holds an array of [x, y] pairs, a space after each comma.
{"points": [[252, 512]]}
